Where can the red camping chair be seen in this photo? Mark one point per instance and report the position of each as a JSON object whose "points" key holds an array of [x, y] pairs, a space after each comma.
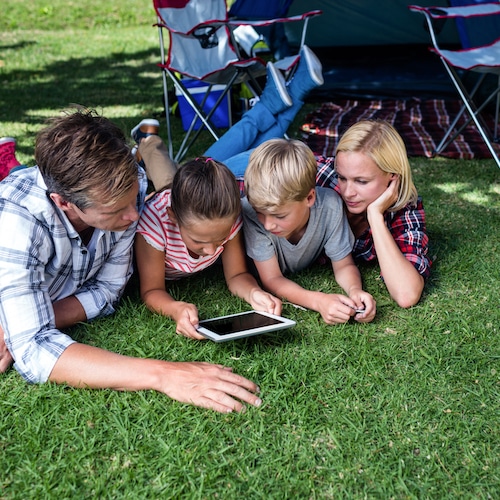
{"points": [[197, 43], [483, 59]]}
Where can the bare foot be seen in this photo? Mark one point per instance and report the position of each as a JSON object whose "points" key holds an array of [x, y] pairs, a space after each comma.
{"points": [[5, 357]]}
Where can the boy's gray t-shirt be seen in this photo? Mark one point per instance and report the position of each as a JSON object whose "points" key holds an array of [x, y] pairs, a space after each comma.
{"points": [[327, 228]]}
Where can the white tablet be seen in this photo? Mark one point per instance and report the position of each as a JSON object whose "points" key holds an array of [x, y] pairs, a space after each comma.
{"points": [[245, 324]]}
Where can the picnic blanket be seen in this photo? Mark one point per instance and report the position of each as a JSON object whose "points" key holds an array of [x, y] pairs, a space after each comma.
{"points": [[421, 123]]}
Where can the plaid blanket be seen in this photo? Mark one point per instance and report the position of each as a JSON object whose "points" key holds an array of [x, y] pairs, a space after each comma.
{"points": [[421, 123]]}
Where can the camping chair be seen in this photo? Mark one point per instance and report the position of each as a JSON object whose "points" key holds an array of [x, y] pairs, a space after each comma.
{"points": [[199, 45], [483, 59]]}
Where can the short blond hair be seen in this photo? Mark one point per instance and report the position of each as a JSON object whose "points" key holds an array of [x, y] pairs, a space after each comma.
{"points": [[381, 142], [279, 171]]}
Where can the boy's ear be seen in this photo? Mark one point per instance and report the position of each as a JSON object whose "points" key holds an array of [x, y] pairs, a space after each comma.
{"points": [[311, 197]]}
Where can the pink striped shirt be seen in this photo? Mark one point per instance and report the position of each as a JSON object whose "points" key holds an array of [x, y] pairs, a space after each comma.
{"points": [[163, 234]]}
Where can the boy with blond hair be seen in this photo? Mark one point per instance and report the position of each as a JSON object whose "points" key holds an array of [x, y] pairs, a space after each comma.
{"points": [[289, 223]]}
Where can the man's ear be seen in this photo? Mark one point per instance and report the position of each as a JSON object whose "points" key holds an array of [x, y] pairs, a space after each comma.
{"points": [[59, 201]]}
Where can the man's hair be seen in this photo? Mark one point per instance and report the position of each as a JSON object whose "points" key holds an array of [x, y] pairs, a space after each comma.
{"points": [[279, 171], [381, 142], [204, 189], [85, 159]]}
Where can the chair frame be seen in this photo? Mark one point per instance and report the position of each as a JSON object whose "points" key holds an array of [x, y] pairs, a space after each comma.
{"points": [[466, 59], [245, 70]]}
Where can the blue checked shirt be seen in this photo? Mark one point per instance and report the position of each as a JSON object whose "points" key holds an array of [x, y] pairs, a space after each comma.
{"points": [[43, 260]]}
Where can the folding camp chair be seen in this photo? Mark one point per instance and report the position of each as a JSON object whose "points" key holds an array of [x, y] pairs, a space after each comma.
{"points": [[199, 44], [482, 59]]}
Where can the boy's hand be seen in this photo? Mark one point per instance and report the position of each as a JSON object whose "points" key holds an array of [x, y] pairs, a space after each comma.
{"points": [[264, 301], [365, 301], [186, 317], [335, 308]]}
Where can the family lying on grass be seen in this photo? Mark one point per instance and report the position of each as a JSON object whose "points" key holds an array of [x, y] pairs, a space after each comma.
{"points": [[72, 221]]}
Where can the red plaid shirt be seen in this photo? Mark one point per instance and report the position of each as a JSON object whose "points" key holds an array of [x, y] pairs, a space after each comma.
{"points": [[407, 226]]}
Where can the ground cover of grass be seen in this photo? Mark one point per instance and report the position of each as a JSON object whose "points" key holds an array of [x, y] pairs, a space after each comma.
{"points": [[405, 407]]}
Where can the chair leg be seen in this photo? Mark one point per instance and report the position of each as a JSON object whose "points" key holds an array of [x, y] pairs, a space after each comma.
{"points": [[473, 110]]}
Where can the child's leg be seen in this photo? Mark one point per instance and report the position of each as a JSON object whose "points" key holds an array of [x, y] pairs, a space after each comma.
{"points": [[258, 119], [160, 168]]}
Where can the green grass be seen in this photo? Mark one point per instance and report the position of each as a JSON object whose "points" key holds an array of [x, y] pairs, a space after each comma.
{"points": [[405, 407]]}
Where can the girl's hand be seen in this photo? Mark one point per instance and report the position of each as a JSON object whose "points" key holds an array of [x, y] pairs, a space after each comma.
{"points": [[264, 301], [186, 317], [387, 198]]}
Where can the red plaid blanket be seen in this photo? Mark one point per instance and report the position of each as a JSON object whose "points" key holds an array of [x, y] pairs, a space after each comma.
{"points": [[421, 123]]}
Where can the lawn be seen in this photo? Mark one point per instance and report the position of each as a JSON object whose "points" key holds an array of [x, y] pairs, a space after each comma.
{"points": [[405, 407]]}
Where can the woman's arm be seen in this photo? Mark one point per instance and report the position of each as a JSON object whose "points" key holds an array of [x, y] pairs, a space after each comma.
{"points": [[402, 279], [151, 267]]}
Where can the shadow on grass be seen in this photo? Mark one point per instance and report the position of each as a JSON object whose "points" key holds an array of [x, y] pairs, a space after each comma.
{"points": [[119, 79]]}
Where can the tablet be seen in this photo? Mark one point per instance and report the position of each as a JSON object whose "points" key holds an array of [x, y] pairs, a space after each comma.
{"points": [[245, 324]]}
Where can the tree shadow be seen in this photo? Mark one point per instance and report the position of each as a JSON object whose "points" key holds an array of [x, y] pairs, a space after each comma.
{"points": [[117, 79]]}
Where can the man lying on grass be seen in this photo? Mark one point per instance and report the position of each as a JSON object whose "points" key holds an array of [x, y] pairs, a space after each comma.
{"points": [[67, 230]]}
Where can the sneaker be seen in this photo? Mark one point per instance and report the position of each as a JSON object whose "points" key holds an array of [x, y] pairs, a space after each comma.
{"points": [[308, 75], [275, 96], [314, 67], [144, 129], [8, 159]]}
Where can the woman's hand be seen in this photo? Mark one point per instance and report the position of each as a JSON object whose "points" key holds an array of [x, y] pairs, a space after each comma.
{"points": [[387, 198]]}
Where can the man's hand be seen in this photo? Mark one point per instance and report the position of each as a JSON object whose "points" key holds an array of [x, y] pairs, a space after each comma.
{"points": [[210, 386]]}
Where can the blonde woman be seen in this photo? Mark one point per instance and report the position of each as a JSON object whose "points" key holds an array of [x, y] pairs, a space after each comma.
{"points": [[373, 177]]}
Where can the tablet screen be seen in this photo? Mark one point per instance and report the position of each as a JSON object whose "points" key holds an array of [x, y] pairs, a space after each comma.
{"points": [[234, 324]]}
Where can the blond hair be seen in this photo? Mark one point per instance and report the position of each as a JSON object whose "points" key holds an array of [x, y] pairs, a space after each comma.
{"points": [[279, 171], [381, 142]]}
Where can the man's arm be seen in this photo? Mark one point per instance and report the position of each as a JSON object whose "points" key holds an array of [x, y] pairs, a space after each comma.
{"points": [[202, 384]]}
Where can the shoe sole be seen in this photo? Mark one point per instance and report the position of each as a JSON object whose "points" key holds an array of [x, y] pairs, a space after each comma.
{"points": [[279, 82], [313, 65], [147, 121], [6, 140]]}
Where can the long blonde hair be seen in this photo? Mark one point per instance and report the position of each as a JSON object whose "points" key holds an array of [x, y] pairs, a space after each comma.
{"points": [[381, 142]]}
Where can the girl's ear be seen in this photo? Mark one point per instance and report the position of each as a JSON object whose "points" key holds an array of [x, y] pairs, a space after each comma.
{"points": [[171, 215]]}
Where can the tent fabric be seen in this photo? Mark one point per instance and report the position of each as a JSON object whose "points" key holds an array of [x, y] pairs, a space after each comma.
{"points": [[358, 22], [421, 123]]}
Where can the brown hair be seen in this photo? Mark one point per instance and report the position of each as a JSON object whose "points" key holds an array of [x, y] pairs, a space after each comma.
{"points": [[204, 189], [85, 159]]}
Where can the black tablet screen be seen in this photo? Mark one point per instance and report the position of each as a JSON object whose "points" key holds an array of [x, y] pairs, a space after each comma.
{"points": [[235, 324]]}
